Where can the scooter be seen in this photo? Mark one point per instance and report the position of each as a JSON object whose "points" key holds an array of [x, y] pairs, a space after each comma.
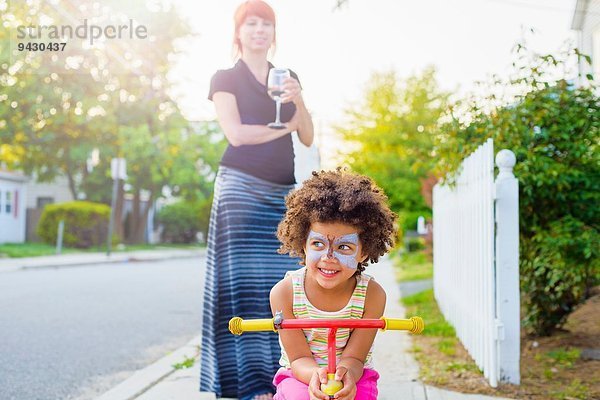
{"points": [[237, 326]]}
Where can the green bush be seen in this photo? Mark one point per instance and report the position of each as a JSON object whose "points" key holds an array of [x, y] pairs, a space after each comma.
{"points": [[86, 223], [181, 221], [559, 265], [554, 131], [414, 244]]}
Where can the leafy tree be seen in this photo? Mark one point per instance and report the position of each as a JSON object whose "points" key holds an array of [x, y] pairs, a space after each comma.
{"points": [[55, 110], [392, 137], [49, 110], [552, 126], [197, 166]]}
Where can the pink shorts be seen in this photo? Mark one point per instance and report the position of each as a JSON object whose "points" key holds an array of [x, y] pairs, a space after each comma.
{"points": [[290, 388]]}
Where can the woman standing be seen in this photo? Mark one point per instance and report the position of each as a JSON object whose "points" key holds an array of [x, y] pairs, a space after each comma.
{"points": [[255, 175]]}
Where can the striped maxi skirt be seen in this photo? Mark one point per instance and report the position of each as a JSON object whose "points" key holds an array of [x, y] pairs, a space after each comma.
{"points": [[241, 268]]}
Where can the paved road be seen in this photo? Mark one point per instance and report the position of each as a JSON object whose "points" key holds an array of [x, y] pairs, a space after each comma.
{"points": [[73, 333]]}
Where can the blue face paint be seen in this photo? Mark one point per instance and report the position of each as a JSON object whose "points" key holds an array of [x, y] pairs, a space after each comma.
{"points": [[319, 247]]}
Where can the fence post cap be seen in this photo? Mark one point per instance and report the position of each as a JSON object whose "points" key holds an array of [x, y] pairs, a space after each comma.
{"points": [[506, 159]]}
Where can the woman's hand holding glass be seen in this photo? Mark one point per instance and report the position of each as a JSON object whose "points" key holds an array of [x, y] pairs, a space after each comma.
{"points": [[291, 91]]}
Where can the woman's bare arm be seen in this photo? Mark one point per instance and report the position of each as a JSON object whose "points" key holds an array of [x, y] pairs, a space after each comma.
{"points": [[239, 134], [305, 128]]}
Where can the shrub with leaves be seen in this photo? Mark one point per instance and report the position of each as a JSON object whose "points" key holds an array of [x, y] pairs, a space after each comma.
{"points": [[85, 223], [183, 220], [553, 127]]}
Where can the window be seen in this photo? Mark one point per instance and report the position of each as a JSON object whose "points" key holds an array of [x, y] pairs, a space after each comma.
{"points": [[8, 203], [42, 202]]}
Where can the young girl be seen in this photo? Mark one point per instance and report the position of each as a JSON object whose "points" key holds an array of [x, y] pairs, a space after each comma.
{"points": [[336, 223]]}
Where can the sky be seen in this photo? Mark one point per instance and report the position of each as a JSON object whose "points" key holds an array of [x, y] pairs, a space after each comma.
{"points": [[334, 52]]}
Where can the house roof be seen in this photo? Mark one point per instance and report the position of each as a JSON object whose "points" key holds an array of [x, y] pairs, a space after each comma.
{"points": [[579, 14], [12, 176]]}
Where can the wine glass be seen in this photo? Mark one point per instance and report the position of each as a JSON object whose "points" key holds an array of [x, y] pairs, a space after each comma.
{"points": [[277, 77]]}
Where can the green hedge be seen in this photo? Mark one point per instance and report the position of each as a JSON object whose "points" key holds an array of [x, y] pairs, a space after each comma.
{"points": [[182, 221], [86, 223], [560, 264]]}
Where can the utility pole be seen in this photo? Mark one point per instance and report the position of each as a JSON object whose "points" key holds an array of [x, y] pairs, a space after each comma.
{"points": [[118, 169]]}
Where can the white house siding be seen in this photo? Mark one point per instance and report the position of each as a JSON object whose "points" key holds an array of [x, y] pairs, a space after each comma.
{"points": [[586, 19], [12, 207], [58, 191]]}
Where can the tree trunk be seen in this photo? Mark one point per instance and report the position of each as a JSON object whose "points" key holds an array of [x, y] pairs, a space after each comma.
{"points": [[141, 221], [72, 184], [427, 185], [134, 216]]}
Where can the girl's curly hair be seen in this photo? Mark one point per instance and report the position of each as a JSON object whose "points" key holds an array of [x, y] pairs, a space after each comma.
{"points": [[338, 196]]}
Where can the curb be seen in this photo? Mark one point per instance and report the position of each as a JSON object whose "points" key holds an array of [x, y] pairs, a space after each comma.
{"points": [[89, 259], [143, 380]]}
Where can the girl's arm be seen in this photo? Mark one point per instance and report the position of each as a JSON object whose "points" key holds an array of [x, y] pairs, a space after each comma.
{"points": [[241, 134], [304, 366], [350, 368]]}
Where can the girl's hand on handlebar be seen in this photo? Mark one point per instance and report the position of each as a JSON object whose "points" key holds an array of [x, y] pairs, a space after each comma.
{"points": [[314, 386], [348, 392]]}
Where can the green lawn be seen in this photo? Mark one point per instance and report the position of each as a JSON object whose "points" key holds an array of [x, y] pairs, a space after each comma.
{"points": [[412, 266], [424, 305], [17, 250], [14, 250], [437, 349]]}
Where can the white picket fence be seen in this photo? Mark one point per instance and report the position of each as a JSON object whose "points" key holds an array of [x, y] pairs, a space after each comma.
{"points": [[476, 261]]}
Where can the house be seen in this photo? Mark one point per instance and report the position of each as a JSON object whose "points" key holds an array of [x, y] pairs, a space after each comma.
{"points": [[40, 194], [586, 20], [22, 201], [13, 194]]}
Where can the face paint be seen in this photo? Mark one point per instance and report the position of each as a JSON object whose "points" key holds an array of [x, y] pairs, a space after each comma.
{"points": [[327, 247]]}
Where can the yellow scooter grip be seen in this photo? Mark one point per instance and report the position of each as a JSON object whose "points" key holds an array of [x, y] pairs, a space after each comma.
{"points": [[413, 325], [237, 326]]}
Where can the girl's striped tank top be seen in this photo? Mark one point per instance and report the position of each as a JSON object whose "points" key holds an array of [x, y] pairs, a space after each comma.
{"points": [[317, 337]]}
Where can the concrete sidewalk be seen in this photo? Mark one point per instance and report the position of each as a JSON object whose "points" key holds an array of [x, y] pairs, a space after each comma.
{"points": [[396, 365], [79, 259]]}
